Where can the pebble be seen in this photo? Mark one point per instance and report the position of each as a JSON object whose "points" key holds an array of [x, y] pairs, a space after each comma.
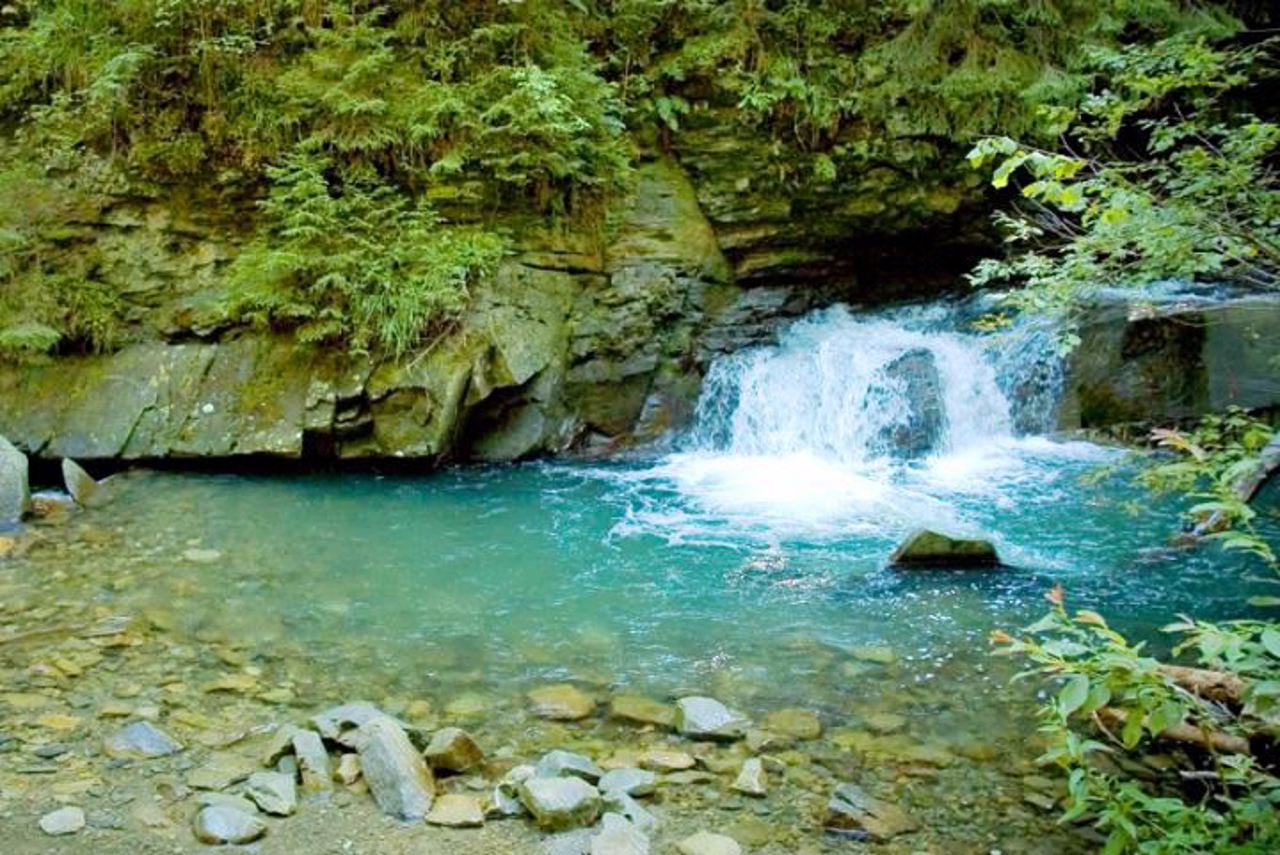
{"points": [[619, 837], [142, 740], [706, 843], [561, 702], [558, 804], [751, 780], [217, 825], [67, 820]]}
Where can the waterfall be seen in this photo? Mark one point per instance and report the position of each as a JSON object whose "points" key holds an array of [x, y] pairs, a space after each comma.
{"points": [[857, 389]]}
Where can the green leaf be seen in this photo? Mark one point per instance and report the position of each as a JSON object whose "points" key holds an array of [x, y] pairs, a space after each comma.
{"points": [[1271, 641], [1073, 694]]}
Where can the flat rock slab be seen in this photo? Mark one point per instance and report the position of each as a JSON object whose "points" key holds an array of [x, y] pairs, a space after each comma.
{"points": [[558, 804], [142, 740], [220, 825], [274, 792], [454, 810], [561, 702], [707, 718], [930, 549], [852, 809], [398, 777]]}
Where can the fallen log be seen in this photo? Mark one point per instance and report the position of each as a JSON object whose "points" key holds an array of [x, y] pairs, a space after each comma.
{"points": [[1219, 686], [1245, 488], [1212, 740]]}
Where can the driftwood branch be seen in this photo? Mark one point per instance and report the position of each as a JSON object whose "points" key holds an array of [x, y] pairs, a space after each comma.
{"points": [[1213, 740], [1246, 487], [1219, 686]]}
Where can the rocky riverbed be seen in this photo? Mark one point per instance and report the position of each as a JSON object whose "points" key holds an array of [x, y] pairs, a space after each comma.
{"points": [[132, 719]]}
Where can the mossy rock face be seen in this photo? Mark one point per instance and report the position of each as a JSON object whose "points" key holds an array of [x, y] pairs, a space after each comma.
{"points": [[930, 549]]}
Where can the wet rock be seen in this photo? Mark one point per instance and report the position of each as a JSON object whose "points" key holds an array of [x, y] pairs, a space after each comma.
{"points": [[220, 825], [795, 723], [397, 775], [15, 491], [562, 702], [633, 782], [558, 804], [751, 779], [80, 484], [335, 723], [142, 740], [919, 427], [707, 718], [274, 792], [640, 710], [348, 769], [313, 761], [454, 810], [659, 760], [67, 820], [706, 843], [560, 764], [852, 809], [884, 722], [619, 837], [453, 750], [926, 548]]}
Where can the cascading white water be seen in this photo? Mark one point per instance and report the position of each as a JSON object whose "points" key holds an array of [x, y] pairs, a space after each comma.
{"points": [[832, 388]]}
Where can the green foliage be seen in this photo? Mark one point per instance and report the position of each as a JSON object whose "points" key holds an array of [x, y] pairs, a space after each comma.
{"points": [[346, 258], [1212, 458], [1161, 174], [1102, 678]]}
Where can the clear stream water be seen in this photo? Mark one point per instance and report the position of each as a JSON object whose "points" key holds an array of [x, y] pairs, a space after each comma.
{"points": [[751, 562]]}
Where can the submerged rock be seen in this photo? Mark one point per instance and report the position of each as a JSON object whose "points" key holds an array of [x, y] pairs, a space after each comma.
{"points": [[558, 804], [15, 490], [397, 775], [920, 428], [795, 723], [852, 809], [142, 740], [220, 825], [751, 779], [453, 750], [640, 710], [926, 548], [67, 820], [707, 718], [562, 702]]}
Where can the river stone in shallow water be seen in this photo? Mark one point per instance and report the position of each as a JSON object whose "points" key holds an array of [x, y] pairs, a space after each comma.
{"points": [[562, 702], [852, 809], [142, 740], [454, 810], [273, 792], [560, 764], [453, 750], [930, 549], [397, 775], [633, 782], [919, 429], [706, 843], [67, 820], [217, 825], [619, 837], [795, 723], [751, 779], [641, 710], [558, 804], [707, 718], [15, 492]]}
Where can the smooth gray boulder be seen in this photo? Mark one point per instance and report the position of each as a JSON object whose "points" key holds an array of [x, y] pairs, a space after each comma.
{"points": [[15, 490], [218, 825], [707, 718], [926, 549], [398, 777], [558, 804]]}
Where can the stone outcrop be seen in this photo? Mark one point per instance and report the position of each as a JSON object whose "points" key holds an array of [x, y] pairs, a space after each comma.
{"points": [[1144, 363], [931, 549]]}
